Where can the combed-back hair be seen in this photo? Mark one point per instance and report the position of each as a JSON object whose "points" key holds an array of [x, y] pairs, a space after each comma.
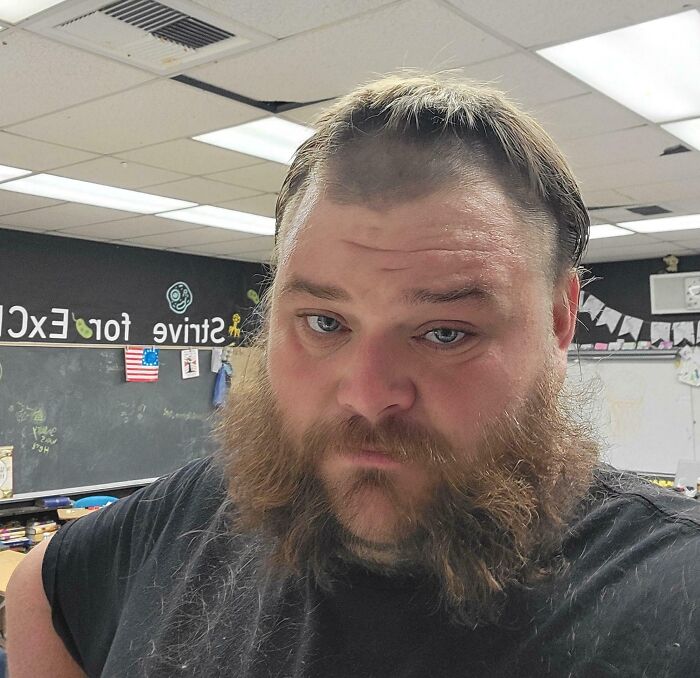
{"points": [[406, 136]]}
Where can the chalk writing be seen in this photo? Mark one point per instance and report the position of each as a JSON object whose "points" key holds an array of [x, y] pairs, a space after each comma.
{"points": [[24, 413], [44, 438], [184, 416], [131, 411]]}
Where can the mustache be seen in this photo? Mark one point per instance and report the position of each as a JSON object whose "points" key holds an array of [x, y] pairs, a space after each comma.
{"points": [[400, 439]]}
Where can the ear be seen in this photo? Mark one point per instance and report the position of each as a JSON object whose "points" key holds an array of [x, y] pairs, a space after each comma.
{"points": [[565, 308]]}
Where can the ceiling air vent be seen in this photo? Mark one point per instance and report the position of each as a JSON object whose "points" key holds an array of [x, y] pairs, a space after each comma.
{"points": [[648, 210], [166, 23], [163, 37]]}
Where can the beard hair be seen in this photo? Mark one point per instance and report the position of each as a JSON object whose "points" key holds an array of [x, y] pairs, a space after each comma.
{"points": [[496, 518]]}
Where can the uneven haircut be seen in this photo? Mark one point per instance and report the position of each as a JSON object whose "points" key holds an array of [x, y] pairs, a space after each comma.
{"points": [[409, 135]]}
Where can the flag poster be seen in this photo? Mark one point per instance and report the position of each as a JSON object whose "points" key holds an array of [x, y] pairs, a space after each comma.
{"points": [[141, 363]]}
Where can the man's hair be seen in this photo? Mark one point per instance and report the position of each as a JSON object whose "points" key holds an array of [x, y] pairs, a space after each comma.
{"points": [[407, 136]]}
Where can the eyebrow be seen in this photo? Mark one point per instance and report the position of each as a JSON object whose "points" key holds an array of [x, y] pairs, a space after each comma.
{"points": [[414, 296], [471, 292], [330, 292]]}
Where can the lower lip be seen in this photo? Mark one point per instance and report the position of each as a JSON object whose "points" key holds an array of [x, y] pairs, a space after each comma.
{"points": [[376, 459]]}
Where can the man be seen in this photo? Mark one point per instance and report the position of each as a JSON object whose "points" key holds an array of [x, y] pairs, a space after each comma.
{"points": [[404, 489]]}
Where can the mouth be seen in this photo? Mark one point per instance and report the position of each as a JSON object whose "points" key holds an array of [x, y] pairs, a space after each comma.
{"points": [[371, 458]]}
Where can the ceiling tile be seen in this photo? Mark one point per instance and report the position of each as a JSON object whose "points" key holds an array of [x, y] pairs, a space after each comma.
{"points": [[677, 237], [686, 206], [38, 76], [283, 19], [66, 215], [306, 115], [189, 157], [120, 173], [664, 190], [38, 156], [690, 243], [257, 244], [584, 116], [266, 177], [637, 143], [201, 190], [132, 119], [133, 227], [330, 61], [194, 236], [623, 242], [527, 79], [12, 227], [604, 198], [677, 167], [640, 252], [540, 22], [10, 202], [260, 204]]}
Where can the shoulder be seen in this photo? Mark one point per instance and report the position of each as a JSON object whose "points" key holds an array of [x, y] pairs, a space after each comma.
{"points": [[630, 510], [154, 517], [637, 546]]}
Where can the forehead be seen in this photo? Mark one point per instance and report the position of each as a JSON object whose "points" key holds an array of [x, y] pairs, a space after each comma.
{"points": [[445, 235]]}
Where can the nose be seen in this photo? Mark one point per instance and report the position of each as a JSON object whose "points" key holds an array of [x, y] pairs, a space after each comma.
{"points": [[375, 382]]}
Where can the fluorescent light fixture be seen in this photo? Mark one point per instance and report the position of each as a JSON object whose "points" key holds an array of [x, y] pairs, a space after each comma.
{"points": [[72, 190], [270, 138], [206, 215], [607, 231], [11, 172], [668, 224], [685, 130], [651, 67], [13, 11]]}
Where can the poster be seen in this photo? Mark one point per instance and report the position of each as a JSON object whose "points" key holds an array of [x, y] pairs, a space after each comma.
{"points": [[6, 471], [189, 360]]}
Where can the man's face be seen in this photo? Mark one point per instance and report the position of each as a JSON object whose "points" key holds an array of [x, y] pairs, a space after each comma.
{"points": [[436, 314]]}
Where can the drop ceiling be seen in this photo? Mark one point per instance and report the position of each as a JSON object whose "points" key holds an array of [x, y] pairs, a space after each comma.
{"points": [[70, 111]]}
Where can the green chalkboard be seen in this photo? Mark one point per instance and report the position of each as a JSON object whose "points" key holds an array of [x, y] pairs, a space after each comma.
{"points": [[75, 422]]}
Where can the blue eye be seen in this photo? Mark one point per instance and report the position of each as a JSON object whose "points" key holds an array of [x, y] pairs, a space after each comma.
{"points": [[323, 324], [444, 336]]}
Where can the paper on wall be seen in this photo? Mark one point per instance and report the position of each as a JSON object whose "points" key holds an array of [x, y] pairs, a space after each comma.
{"points": [[688, 366], [683, 330], [609, 317], [660, 332], [189, 361], [6, 490], [593, 306], [216, 355], [631, 326]]}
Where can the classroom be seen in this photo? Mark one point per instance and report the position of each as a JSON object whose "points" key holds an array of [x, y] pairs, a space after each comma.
{"points": [[203, 241]]}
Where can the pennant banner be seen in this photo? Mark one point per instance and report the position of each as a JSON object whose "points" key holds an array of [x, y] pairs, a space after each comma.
{"points": [[609, 317], [660, 332], [631, 326], [593, 306], [684, 331]]}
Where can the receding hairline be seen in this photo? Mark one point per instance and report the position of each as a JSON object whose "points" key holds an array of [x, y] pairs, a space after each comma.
{"points": [[428, 108], [473, 178]]}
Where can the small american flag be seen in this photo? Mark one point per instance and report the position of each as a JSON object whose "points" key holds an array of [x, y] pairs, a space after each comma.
{"points": [[141, 363]]}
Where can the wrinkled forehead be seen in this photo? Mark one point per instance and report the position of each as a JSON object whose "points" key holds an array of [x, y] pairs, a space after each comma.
{"points": [[476, 222]]}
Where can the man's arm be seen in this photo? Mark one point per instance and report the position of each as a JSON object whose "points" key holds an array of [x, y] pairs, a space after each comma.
{"points": [[34, 650]]}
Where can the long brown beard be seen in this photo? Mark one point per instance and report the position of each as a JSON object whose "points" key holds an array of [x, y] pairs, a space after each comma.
{"points": [[496, 518]]}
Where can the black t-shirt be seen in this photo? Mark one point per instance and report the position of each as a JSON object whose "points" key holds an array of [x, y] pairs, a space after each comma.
{"points": [[155, 585]]}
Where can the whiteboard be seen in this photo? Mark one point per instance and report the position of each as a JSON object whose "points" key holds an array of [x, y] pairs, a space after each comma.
{"points": [[644, 415]]}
